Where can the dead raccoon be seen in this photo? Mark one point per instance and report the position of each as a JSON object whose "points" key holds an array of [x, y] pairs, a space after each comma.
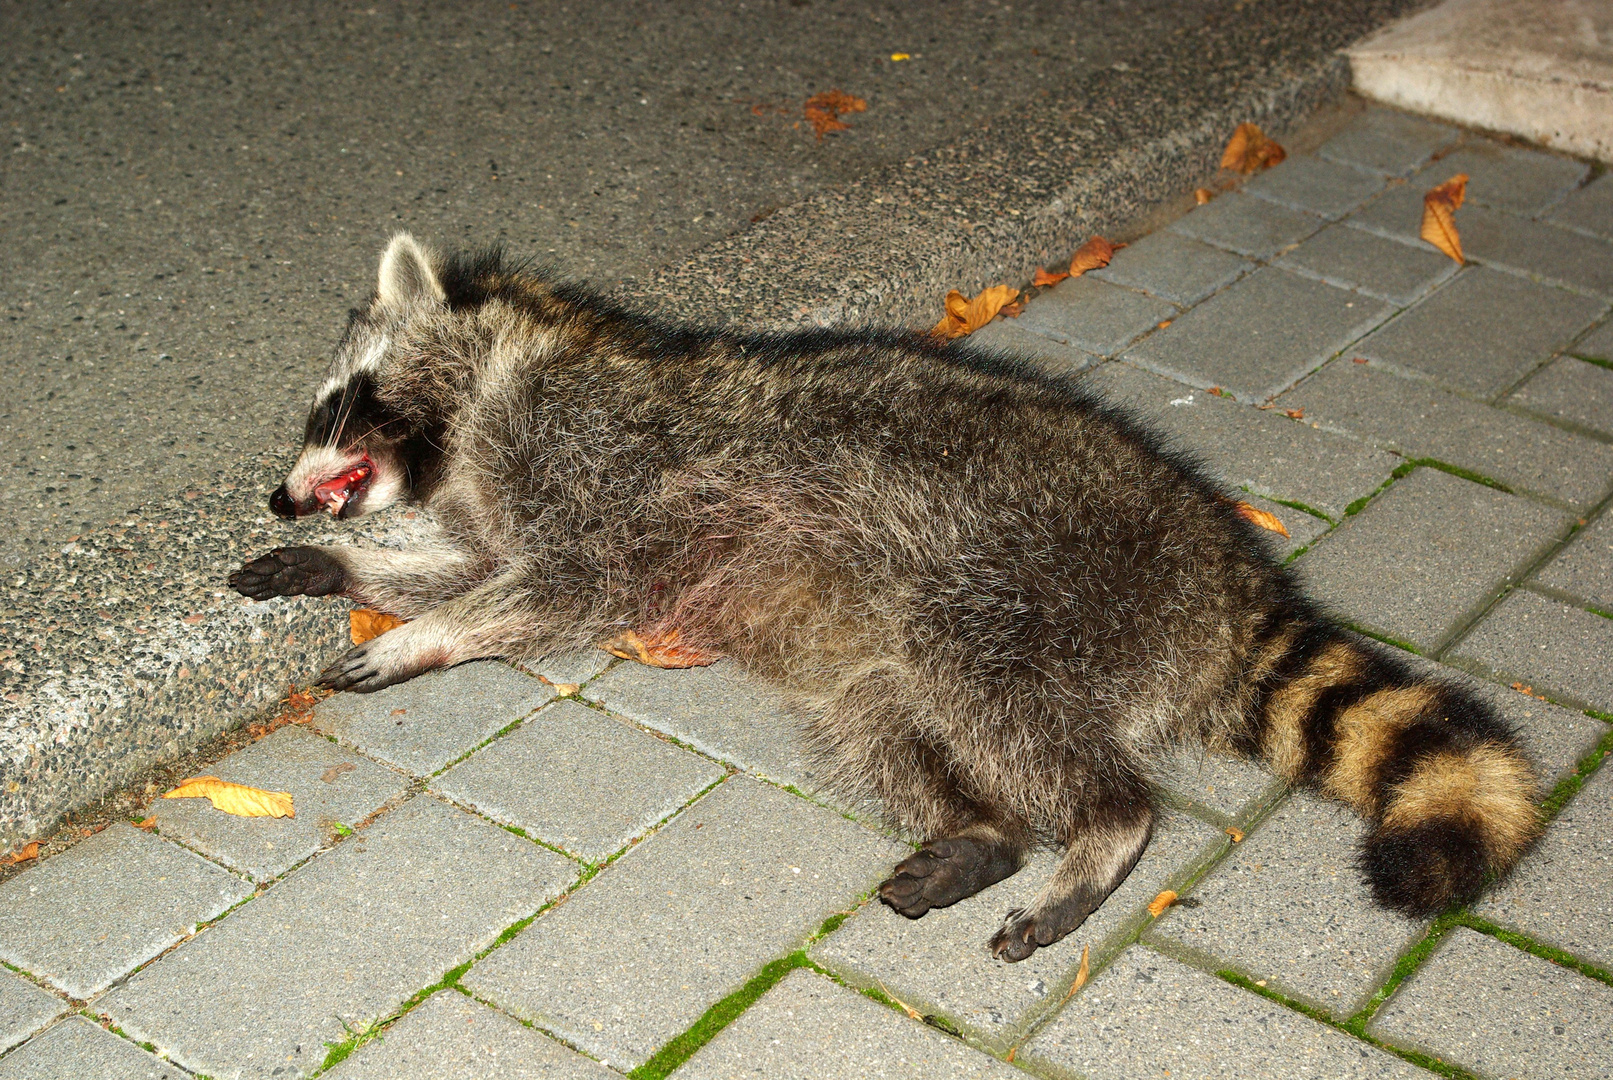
{"points": [[992, 594]]}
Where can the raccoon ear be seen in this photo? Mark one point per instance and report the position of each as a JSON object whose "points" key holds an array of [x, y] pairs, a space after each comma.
{"points": [[407, 274]]}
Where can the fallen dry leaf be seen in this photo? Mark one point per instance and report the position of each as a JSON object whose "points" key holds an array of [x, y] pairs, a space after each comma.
{"points": [[1092, 255], [27, 853], [897, 57], [1157, 906], [1083, 972], [1250, 150], [565, 689], [237, 799], [1202, 195], [908, 1009], [1012, 1050], [661, 651], [363, 624], [330, 775], [1264, 519], [148, 822], [1163, 323], [823, 111], [1439, 222], [1236, 834], [1044, 276], [1294, 414], [965, 314]]}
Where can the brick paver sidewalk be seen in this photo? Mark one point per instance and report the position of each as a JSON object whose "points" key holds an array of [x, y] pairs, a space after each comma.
{"points": [[593, 886]]}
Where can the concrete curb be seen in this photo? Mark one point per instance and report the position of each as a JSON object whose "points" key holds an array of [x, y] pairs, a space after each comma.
{"points": [[125, 649]]}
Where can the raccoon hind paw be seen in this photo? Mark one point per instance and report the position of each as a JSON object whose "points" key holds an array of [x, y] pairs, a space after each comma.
{"points": [[944, 872]]}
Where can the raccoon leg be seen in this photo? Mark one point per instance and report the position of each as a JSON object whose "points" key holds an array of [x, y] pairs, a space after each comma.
{"points": [[402, 583], [1104, 843]]}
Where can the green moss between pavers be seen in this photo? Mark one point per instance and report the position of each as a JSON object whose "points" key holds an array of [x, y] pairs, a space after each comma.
{"points": [[1460, 472], [719, 1016], [1569, 786], [1404, 646], [1597, 360], [1358, 505]]}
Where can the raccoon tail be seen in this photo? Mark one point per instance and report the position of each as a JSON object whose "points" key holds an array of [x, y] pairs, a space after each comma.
{"points": [[1442, 779]]}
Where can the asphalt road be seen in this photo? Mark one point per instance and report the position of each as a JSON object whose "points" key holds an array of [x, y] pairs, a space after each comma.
{"points": [[194, 194]]}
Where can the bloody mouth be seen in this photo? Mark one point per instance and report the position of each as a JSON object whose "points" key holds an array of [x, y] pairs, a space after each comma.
{"points": [[335, 494]]}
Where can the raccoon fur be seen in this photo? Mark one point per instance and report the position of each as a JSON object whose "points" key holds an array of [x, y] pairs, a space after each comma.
{"points": [[993, 596]]}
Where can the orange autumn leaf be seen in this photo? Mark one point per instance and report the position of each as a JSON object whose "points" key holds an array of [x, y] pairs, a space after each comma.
{"points": [[1202, 195], [1250, 150], [1295, 414], [1083, 972], [1234, 832], [1262, 518], [908, 1009], [823, 111], [661, 651], [1157, 906], [237, 799], [147, 823], [1048, 277], [965, 314], [1092, 255], [27, 853], [1439, 220], [364, 624]]}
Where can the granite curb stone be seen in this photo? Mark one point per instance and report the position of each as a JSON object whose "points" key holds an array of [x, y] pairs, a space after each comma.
{"points": [[1245, 341], [81, 1050], [1571, 391], [1316, 185], [1353, 258], [1562, 892], [1584, 568], [940, 963], [1428, 554], [329, 785], [1421, 420], [1146, 1015], [346, 939], [1094, 316], [575, 778], [436, 718], [85, 918], [1482, 331], [682, 920], [1254, 228], [1560, 650], [24, 1009], [807, 1028], [1288, 905], [452, 1037], [1390, 142], [1174, 267], [1483, 1005], [1588, 209]]}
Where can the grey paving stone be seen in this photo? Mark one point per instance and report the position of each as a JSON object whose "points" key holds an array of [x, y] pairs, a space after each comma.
{"points": [[719, 710], [1572, 391], [807, 1028], [1094, 315], [1227, 789], [682, 920], [329, 785], [1398, 213], [1259, 337], [1426, 555], [349, 937], [1261, 451], [87, 917], [1590, 209], [1317, 185], [1562, 892], [1482, 1005], [24, 1009], [1353, 258], [451, 1037], [1421, 420], [575, 666], [1288, 905], [1552, 254], [1558, 649], [1596, 345], [1483, 331], [1508, 177], [1584, 568], [425, 723], [1147, 1015], [1389, 142], [1182, 271], [81, 1050], [578, 779], [1258, 228], [939, 963], [1008, 336]]}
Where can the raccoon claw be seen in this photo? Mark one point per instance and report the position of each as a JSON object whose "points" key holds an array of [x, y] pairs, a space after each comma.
{"points": [[942, 873], [375, 665], [1021, 935], [295, 571]]}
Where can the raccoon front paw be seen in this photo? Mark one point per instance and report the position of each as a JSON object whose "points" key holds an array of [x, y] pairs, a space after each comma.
{"points": [[944, 872], [394, 657], [295, 571]]}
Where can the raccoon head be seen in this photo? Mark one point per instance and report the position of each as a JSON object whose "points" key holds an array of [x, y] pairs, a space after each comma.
{"points": [[360, 453]]}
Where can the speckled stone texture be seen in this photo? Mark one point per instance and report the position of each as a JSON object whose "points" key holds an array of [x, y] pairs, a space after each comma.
{"points": [[81, 1050], [1562, 650], [1583, 570], [807, 1028], [1590, 209], [1571, 391], [1353, 258], [24, 1009]]}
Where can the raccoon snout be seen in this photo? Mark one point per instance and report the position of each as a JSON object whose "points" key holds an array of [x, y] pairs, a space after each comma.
{"points": [[284, 506]]}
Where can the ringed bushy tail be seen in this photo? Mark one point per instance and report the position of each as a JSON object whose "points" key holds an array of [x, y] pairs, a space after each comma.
{"points": [[1442, 779]]}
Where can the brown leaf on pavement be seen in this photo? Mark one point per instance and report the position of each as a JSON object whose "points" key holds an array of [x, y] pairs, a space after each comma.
{"points": [[1048, 277], [823, 111], [1202, 195], [363, 624], [908, 1009], [331, 774], [27, 853], [657, 650], [1092, 255], [966, 314], [1295, 414], [1234, 832], [237, 799], [1157, 906], [1083, 972], [1250, 150], [147, 823], [1264, 519], [1439, 221]]}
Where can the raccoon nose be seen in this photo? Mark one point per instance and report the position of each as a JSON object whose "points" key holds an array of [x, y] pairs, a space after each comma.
{"points": [[282, 503]]}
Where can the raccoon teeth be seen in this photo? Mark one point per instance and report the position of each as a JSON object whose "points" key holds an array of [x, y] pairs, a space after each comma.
{"points": [[335, 505]]}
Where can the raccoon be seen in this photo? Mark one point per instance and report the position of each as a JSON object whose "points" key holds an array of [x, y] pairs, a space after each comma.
{"points": [[993, 596]]}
